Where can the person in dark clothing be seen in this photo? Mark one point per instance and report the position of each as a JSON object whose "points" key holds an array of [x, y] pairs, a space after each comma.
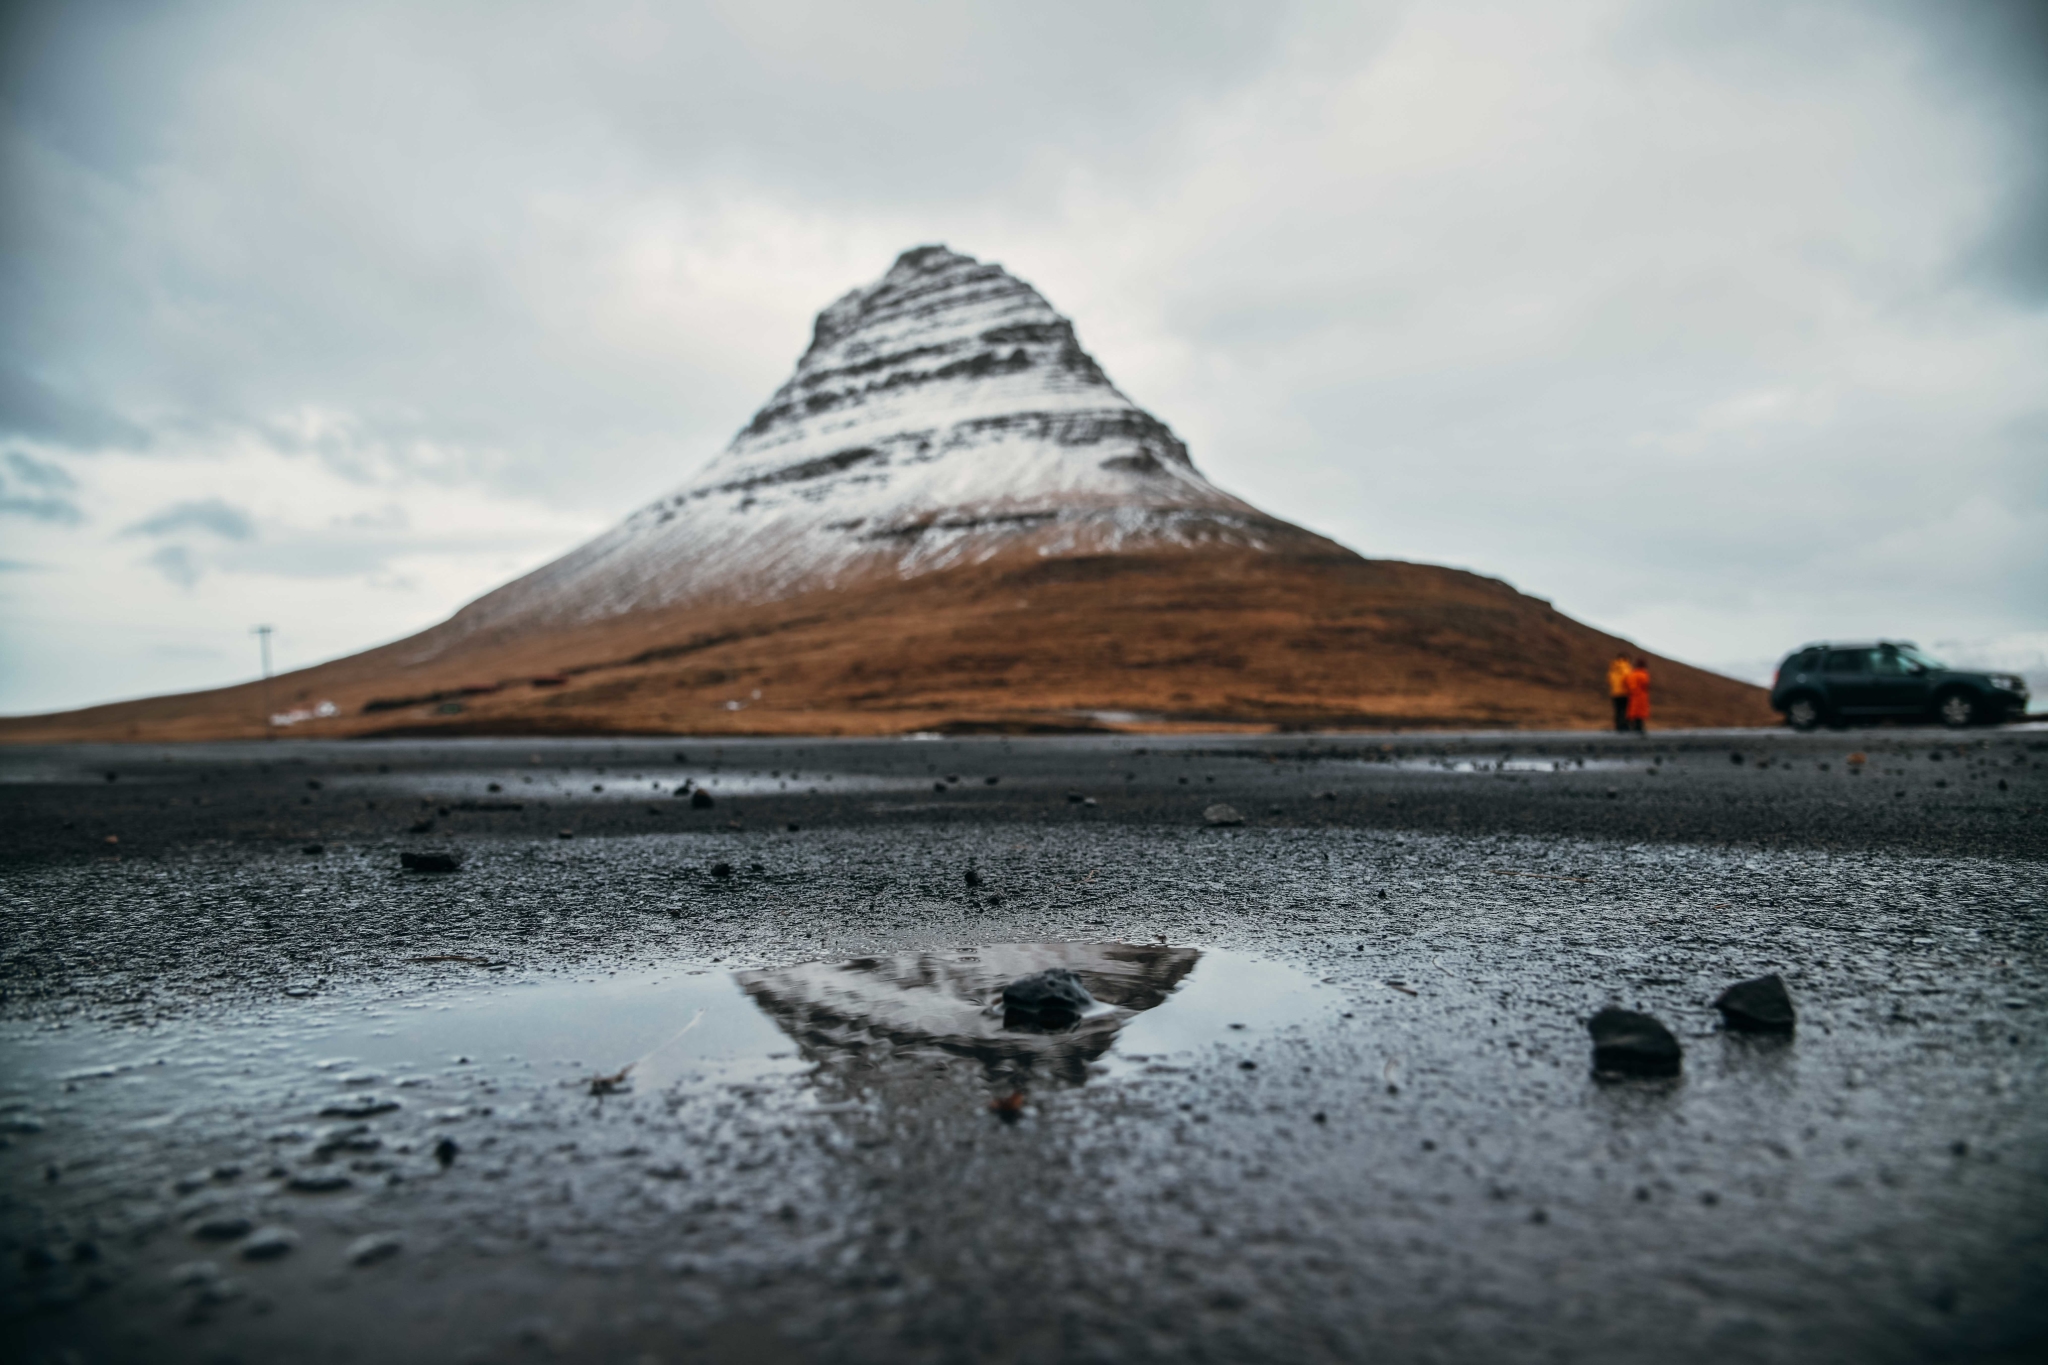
{"points": [[1617, 689]]}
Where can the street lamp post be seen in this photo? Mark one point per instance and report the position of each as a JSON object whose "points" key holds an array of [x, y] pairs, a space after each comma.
{"points": [[262, 634]]}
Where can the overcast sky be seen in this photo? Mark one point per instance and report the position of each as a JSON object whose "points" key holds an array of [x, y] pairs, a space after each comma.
{"points": [[1724, 324]]}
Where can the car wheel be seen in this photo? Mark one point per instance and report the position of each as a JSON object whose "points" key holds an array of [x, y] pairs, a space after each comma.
{"points": [[1957, 710], [1804, 713]]}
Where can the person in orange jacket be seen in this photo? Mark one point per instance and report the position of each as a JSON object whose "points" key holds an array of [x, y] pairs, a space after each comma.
{"points": [[1617, 688], [1639, 695]]}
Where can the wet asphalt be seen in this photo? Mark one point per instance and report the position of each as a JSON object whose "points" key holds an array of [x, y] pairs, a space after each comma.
{"points": [[265, 1094]]}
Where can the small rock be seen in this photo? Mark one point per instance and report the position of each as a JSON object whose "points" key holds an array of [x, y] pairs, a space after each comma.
{"points": [[422, 826], [1045, 1001], [938, 786], [794, 827], [701, 800], [1759, 1006], [972, 877], [430, 862], [1613, 793], [991, 781], [722, 871], [313, 850], [222, 1228], [373, 1247], [269, 1243], [1626, 1043], [1220, 814], [445, 1152], [358, 1107], [318, 1182], [1075, 798], [565, 834]]}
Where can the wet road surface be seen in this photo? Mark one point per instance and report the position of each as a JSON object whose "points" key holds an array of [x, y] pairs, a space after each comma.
{"points": [[692, 1084]]}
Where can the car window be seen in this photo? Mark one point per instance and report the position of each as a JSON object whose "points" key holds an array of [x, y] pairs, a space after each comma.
{"points": [[1846, 661], [1888, 662]]}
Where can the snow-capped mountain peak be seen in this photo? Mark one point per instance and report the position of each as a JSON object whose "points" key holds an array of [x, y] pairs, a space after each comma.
{"points": [[941, 415]]}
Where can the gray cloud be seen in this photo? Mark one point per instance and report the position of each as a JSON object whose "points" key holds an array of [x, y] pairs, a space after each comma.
{"points": [[47, 483], [205, 514], [33, 410], [44, 474], [176, 563]]}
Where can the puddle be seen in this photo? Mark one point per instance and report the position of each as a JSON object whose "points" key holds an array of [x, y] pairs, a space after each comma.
{"points": [[1509, 765], [879, 1019], [487, 790]]}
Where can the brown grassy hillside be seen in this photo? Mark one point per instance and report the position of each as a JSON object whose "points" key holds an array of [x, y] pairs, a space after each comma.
{"points": [[1220, 639]]}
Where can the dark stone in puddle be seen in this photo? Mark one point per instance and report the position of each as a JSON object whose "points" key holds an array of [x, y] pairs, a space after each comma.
{"points": [[1759, 1006], [318, 1182], [972, 877], [430, 862], [358, 1107], [445, 1152], [313, 850], [269, 1244], [1221, 814], [1046, 1001], [722, 871], [223, 1228], [701, 799], [1626, 1043], [422, 826]]}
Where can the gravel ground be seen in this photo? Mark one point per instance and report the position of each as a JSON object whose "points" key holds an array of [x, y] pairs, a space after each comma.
{"points": [[260, 1102]]}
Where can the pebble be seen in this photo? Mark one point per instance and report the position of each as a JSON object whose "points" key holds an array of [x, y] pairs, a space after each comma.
{"points": [[373, 1247], [268, 1244], [430, 862], [1220, 814], [701, 799], [223, 1228], [358, 1107], [445, 1151], [318, 1182], [1759, 1006], [1626, 1043]]}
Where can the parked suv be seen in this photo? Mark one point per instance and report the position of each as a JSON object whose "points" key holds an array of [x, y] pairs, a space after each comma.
{"points": [[1832, 683]]}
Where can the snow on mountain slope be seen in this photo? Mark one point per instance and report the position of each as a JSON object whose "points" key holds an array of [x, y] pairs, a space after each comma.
{"points": [[941, 415]]}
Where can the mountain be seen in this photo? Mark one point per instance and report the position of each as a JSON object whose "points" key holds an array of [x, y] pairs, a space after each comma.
{"points": [[949, 518], [943, 415]]}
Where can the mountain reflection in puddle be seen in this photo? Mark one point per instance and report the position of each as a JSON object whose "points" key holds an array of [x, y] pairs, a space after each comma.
{"points": [[875, 1012]]}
